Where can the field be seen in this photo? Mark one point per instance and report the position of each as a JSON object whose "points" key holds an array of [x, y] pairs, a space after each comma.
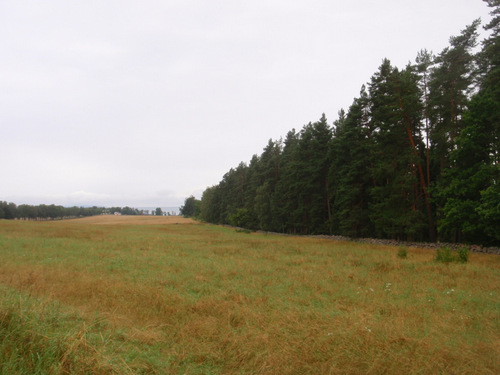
{"points": [[151, 295]]}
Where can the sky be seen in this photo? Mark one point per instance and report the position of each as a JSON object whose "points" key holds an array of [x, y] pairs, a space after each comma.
{"points": [[144, 103]]}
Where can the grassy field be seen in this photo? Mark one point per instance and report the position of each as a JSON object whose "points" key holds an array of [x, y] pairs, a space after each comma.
{"points": [[151, 295]]}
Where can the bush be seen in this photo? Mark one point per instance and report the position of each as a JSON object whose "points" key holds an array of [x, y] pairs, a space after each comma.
{"points": [[445, 255], [243, 231], [463, 255], [242, 218], [402, 252]]}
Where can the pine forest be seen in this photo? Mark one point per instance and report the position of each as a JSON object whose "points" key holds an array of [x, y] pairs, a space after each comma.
{"points": [[414, 158]]}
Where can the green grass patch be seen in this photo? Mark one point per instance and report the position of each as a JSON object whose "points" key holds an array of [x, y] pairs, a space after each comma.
{"points": [[78, 297], [402, 252], [38, 336], [445, 255]]}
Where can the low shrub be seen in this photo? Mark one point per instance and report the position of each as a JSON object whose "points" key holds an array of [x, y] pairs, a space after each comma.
{"points": [[463, 255], [242, 230], [445, 255]]}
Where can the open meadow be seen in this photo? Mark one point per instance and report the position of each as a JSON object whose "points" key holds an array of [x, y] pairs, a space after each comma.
{"points": [[168, 295]]}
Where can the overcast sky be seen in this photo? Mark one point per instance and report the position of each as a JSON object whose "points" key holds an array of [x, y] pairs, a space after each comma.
{"points": [[143, 103]]}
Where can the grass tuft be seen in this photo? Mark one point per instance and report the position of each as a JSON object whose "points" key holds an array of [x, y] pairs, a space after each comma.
{"points": [[402, 252], [463, 255], [444, 255]]}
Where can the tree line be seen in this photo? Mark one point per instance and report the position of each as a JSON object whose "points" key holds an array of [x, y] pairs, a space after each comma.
{"points": [[25, 211], [415, 157]]}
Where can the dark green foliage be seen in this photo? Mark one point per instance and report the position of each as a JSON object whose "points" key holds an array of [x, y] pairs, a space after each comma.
{"points": [[416, 157], [247, 231], [191, 207], [467, 193], [444, 255], [265, 172], [311, 178], [350, 171], [8, 210], [284, 201], [489, 210], [131, 211], [241, 218], [463, 255], [402, 252], [43, 211], [397, 195], [471, 173], [450, 82]]}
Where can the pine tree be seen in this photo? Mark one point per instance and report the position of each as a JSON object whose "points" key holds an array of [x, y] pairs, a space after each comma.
{"points": [[468, 177], [312, 177], [470, 187], [350, 171], [284, 200], [450, 85], [425, 61], [266, 176], [210, 207], [396, 207], [489, 209]]}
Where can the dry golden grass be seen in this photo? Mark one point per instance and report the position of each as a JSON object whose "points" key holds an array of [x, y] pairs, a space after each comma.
{"points": [[135, 220], [201, 299]]}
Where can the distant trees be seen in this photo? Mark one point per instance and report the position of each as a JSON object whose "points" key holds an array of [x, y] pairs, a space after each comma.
{"points": [[130, 211], [416, 157], [191, 207], [43, 211], [8, 210]]}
